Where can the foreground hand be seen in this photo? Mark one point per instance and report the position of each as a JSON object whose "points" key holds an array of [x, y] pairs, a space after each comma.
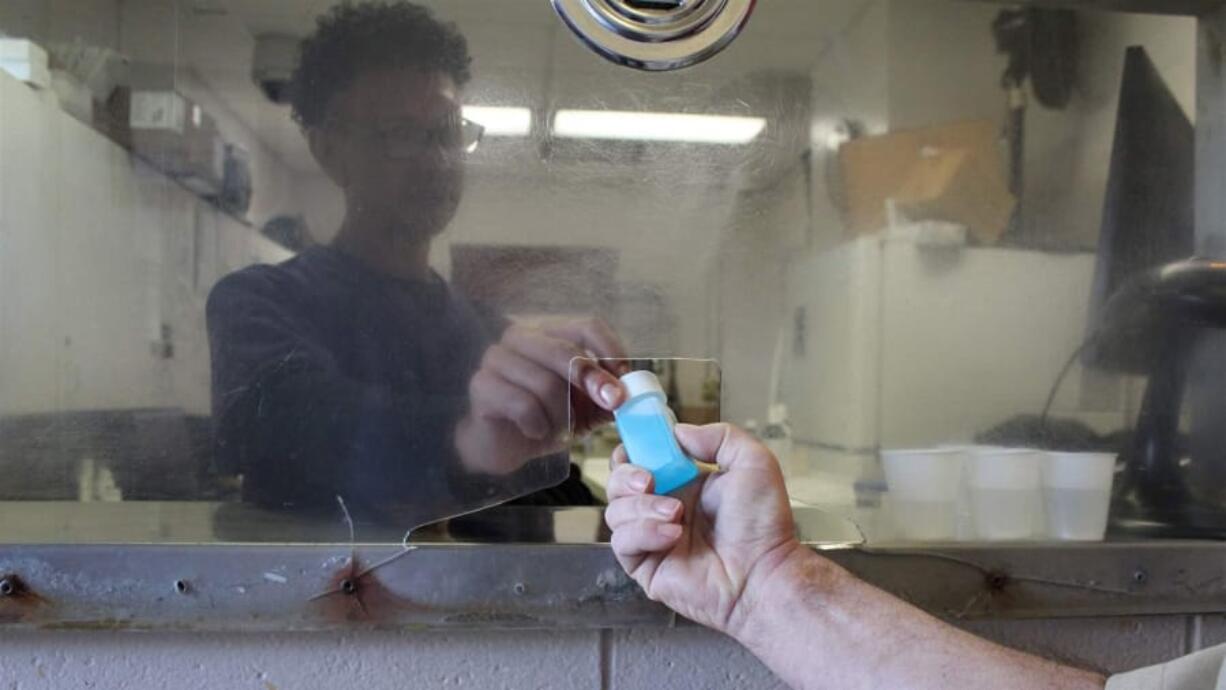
{"points": [[703, 553], [521, 401]]}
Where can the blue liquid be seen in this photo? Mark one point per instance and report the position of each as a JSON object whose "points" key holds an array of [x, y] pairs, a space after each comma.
{"points": [[648, 436]]}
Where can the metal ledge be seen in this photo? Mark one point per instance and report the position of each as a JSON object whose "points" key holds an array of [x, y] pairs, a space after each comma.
{"points": [[1050, 580], [263, 587], [552, 585], [220, 566]]}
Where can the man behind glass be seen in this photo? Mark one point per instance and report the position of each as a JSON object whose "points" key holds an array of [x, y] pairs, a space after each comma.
{"points": [[353, 369]]}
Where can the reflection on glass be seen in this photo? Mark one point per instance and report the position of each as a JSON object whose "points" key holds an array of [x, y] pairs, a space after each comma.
{"points": [[239, 268], [354, 369]]}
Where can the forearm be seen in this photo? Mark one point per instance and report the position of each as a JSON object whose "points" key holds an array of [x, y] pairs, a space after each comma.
{"points": [[817, 626]]}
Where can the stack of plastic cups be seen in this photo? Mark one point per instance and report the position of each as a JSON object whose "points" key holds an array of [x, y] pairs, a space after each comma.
{"points": [[1077, 494], [965, 527], [991, 493], [923, 491], [1005, 492]]}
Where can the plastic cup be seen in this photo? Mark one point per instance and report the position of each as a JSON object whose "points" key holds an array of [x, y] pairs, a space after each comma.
{"points": [[1005, 490], [1077, 494], [923, 491], [966, 528]]}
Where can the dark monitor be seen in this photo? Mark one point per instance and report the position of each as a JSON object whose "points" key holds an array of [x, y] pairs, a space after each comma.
{"points": [[1148, 214]]}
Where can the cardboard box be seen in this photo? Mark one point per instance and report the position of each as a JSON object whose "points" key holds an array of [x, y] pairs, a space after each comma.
{"points": [[158, 111], [25, 60], [28, 72], [951, 185], [22, 50], [206, 155], [953, 173], [178, 138], [205, 163], [158, 120]]}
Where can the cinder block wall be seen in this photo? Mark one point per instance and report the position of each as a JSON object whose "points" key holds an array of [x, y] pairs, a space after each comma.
{"points": [[686, 657]]}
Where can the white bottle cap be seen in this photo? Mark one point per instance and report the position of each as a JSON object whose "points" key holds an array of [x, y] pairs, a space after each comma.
{"points": [[640, 382]]}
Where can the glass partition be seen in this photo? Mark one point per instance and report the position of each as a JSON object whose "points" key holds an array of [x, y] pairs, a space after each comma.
{"points": [[270, 262]]}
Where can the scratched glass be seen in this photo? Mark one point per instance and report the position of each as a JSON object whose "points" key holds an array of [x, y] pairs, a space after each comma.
{"points": [[251, 285]]}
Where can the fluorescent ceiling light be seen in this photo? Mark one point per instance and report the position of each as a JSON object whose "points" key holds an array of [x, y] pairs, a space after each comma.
{"points": [[500, 120], [642, 126]]}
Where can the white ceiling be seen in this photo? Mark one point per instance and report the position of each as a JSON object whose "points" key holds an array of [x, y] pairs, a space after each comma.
{"points": [[522, 54]]}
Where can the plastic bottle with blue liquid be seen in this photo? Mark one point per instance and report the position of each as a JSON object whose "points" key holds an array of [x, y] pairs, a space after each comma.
{"points": [[645, 424]]}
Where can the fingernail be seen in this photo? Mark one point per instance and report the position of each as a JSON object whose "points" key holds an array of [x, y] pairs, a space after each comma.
{"points": [[666, 508], [670, 530], [639, 481], [611, 393]]}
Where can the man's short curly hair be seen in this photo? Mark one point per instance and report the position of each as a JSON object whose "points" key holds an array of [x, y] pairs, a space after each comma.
{"points": [[354, 39]]}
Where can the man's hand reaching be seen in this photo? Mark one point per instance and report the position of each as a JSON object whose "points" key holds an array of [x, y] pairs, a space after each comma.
{"points": [[521, 400]]}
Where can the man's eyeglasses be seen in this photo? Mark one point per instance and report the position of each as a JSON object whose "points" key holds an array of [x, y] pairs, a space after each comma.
{"points": [[405, 139]]}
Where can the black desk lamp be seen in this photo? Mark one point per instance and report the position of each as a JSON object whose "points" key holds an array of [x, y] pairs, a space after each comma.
{"points": [[1153, 322]]}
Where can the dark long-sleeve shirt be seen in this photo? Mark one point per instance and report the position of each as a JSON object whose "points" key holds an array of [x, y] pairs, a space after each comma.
{"points": [[330, 379]]}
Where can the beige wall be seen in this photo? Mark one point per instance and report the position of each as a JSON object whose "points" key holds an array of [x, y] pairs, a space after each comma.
{"points": [[99, 251]]}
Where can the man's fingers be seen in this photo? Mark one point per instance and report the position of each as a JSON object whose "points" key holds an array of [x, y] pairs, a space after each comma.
{"points": [[555, 354], [550, 391], [496, 398], [602, 387], [628, 480], [569, 362], [590, 334], [723, 444], [638, 539], [641, 508], [619, 457]]}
